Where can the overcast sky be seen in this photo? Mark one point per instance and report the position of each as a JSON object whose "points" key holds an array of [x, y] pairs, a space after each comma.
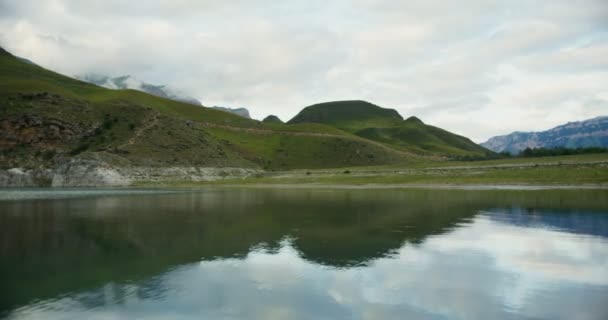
{"points": [[477, 68]]}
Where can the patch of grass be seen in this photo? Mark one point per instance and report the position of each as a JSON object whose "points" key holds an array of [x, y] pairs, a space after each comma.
{"points": [[418, 137], [576, 170], [527, 176], [281, 152], [540, 161]]}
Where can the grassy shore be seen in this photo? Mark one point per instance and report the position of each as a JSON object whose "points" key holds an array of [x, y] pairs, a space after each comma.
{"points": [[564, 170]]}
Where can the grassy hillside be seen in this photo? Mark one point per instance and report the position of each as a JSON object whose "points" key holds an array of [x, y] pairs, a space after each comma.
{"points": [[387, 126], [418, 137], [47, 117], [17, 76]]}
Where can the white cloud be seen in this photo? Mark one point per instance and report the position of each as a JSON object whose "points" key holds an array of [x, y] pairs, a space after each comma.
{"points": [[447, 63]]}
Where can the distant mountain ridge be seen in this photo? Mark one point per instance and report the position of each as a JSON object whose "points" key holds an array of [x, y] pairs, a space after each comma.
{"points": [[130, 82], [243, 112], [579, 134]]}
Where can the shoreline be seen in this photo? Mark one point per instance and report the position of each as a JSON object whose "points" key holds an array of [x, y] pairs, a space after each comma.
{"points": [[479, 187], [371, 186], [573, 172]]}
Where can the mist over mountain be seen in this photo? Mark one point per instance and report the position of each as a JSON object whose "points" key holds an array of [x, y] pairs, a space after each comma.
{"points": [[130, 82], [579, 134], [243, 112]]}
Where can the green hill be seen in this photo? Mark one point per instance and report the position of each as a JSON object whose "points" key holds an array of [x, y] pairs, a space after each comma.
{"points": [[48, 119], [272, 119], [372, 122], [348, 115]]}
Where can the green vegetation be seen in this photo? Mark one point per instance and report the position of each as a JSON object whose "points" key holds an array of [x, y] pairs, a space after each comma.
{"points": [[544, 152], [388, 127], [286, 151], [415, 136]]}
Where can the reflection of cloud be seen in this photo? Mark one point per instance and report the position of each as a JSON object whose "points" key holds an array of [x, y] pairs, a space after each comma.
{"points": [[484, 270], [551, 255]]}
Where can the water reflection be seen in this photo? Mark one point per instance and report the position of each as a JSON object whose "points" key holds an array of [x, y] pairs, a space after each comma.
{"points": [[576, 221], [263, 254]]}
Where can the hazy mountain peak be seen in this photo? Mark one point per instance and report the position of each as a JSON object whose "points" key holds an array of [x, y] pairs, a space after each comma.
{"points": [[130, 82], [243, 112]]}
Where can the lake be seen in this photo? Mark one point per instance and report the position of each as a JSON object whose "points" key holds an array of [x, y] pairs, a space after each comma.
{"points": [[271, 253]]}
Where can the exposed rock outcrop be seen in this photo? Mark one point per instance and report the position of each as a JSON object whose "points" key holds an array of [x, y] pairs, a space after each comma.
{"points": [[19, 177], [85, 173], [37, 131]]}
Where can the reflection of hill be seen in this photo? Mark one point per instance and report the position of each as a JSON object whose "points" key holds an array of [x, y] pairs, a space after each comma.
{"points": [[51, 247], [579, 222]]}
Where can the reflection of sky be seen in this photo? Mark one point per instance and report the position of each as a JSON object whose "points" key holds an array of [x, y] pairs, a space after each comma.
{"points": [[484, 270], [585, 222]]}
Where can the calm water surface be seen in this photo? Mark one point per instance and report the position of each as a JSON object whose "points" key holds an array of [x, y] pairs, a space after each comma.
{"points": [[304, 254]]}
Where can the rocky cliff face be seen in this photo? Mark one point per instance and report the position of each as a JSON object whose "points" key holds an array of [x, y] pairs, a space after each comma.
{"points": [[589, 133], [39, 132]]}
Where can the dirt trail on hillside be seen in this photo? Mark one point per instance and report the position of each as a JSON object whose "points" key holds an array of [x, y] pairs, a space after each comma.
{"points": [[139, 131], [316, 134]]}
